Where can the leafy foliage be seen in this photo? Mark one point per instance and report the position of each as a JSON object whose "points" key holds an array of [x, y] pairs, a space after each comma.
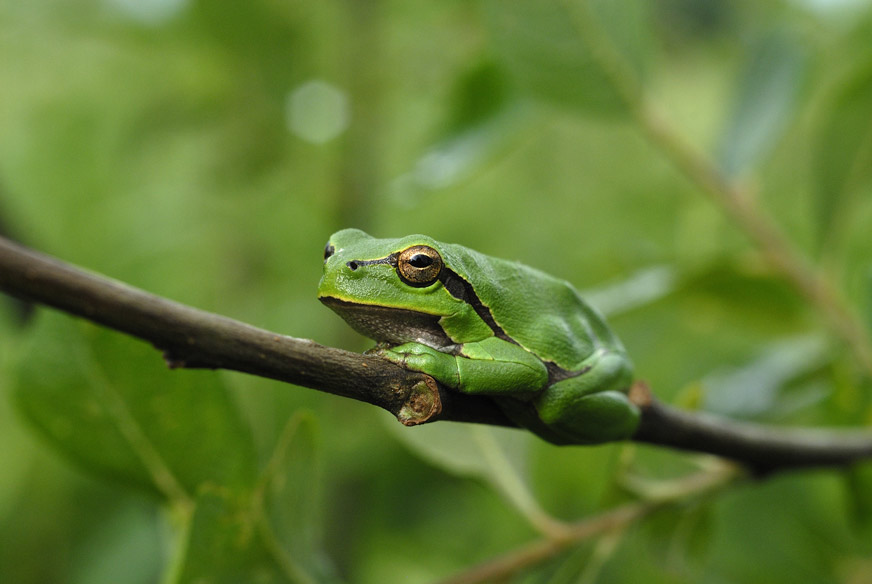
{"points": [[155, 142], [134, 424]]}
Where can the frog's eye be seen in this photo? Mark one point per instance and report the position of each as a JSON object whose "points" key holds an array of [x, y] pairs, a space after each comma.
{"points": [[419, 265], [328, 251]]}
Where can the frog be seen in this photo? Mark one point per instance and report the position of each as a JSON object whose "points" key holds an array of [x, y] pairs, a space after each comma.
{"points": [[485, 326]]}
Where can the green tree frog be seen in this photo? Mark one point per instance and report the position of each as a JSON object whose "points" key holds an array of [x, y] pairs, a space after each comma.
{"points": [[482, 325]]}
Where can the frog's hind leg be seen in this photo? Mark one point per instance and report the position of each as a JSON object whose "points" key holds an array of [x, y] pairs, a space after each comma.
{"points": [[591, 407]]}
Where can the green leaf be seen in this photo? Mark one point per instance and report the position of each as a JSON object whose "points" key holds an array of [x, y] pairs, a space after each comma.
{"points": [[486, 118], [843, 155], [682, 537], [268, 534], [639, 289], [459, 156], [481, 93], [760, 388], [752, 526], [752, 299], [292, 487], [124, 546], [225, 545], [108, 402], [565, 53], [496, 455], [764, 103], [858, 482]]}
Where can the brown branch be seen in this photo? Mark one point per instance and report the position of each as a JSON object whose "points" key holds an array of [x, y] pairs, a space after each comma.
{"points": [[193, 338], [764, 449]]}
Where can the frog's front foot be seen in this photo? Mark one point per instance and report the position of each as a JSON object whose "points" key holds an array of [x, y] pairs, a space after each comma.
{"points": [[418, 357]]}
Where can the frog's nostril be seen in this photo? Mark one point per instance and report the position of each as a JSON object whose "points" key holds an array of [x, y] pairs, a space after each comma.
{"points": [[352, 266]]}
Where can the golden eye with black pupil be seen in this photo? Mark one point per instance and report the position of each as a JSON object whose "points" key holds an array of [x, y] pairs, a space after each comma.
{"points": [[419, 265], [328, 251]]}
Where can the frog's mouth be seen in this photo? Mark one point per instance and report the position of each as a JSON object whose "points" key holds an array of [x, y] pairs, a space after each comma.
{"points": [[394, 326]]}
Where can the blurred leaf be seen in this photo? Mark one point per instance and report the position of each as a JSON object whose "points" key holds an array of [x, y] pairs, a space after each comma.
{"points": [[108, 402], [759, 388], [750, 297], [125, 547], [789, 528], [267, 35], [843, 154], [485, 117], [292, 482], [858, 481], [225, 544], [542, 46], [496, 455], [481, 93], [866, 304], [459, 156], [765, 102], [640, 288], [680, 538]]}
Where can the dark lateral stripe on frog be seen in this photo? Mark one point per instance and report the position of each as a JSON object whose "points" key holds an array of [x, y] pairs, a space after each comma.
{"points": [[462, 290]]}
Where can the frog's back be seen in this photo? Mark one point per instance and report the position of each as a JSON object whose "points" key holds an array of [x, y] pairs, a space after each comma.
{"points": [[544, 314]]}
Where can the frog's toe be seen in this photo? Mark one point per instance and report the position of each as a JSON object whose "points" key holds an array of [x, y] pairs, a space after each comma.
{"points": [[407, 355], [389, 354], [438, 365]]}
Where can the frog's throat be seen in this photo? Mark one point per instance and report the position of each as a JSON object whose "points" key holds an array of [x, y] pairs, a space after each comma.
{"points": [[392, 325]]}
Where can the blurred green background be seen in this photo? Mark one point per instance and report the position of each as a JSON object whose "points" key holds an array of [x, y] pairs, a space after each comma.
{"points": [[205, 150]]}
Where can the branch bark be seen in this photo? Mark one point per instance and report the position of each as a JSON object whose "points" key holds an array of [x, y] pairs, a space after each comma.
{"points": [[193, 338]]}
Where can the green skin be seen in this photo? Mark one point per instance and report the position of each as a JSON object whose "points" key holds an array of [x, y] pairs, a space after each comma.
{"points": [[486, 326]]}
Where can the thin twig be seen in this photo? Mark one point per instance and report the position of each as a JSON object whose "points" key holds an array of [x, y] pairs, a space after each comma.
{"points": [[614, 520], [763, 449]]}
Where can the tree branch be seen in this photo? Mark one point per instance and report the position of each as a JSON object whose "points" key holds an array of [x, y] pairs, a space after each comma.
{"points": [[193, 338], [764, 449]]}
